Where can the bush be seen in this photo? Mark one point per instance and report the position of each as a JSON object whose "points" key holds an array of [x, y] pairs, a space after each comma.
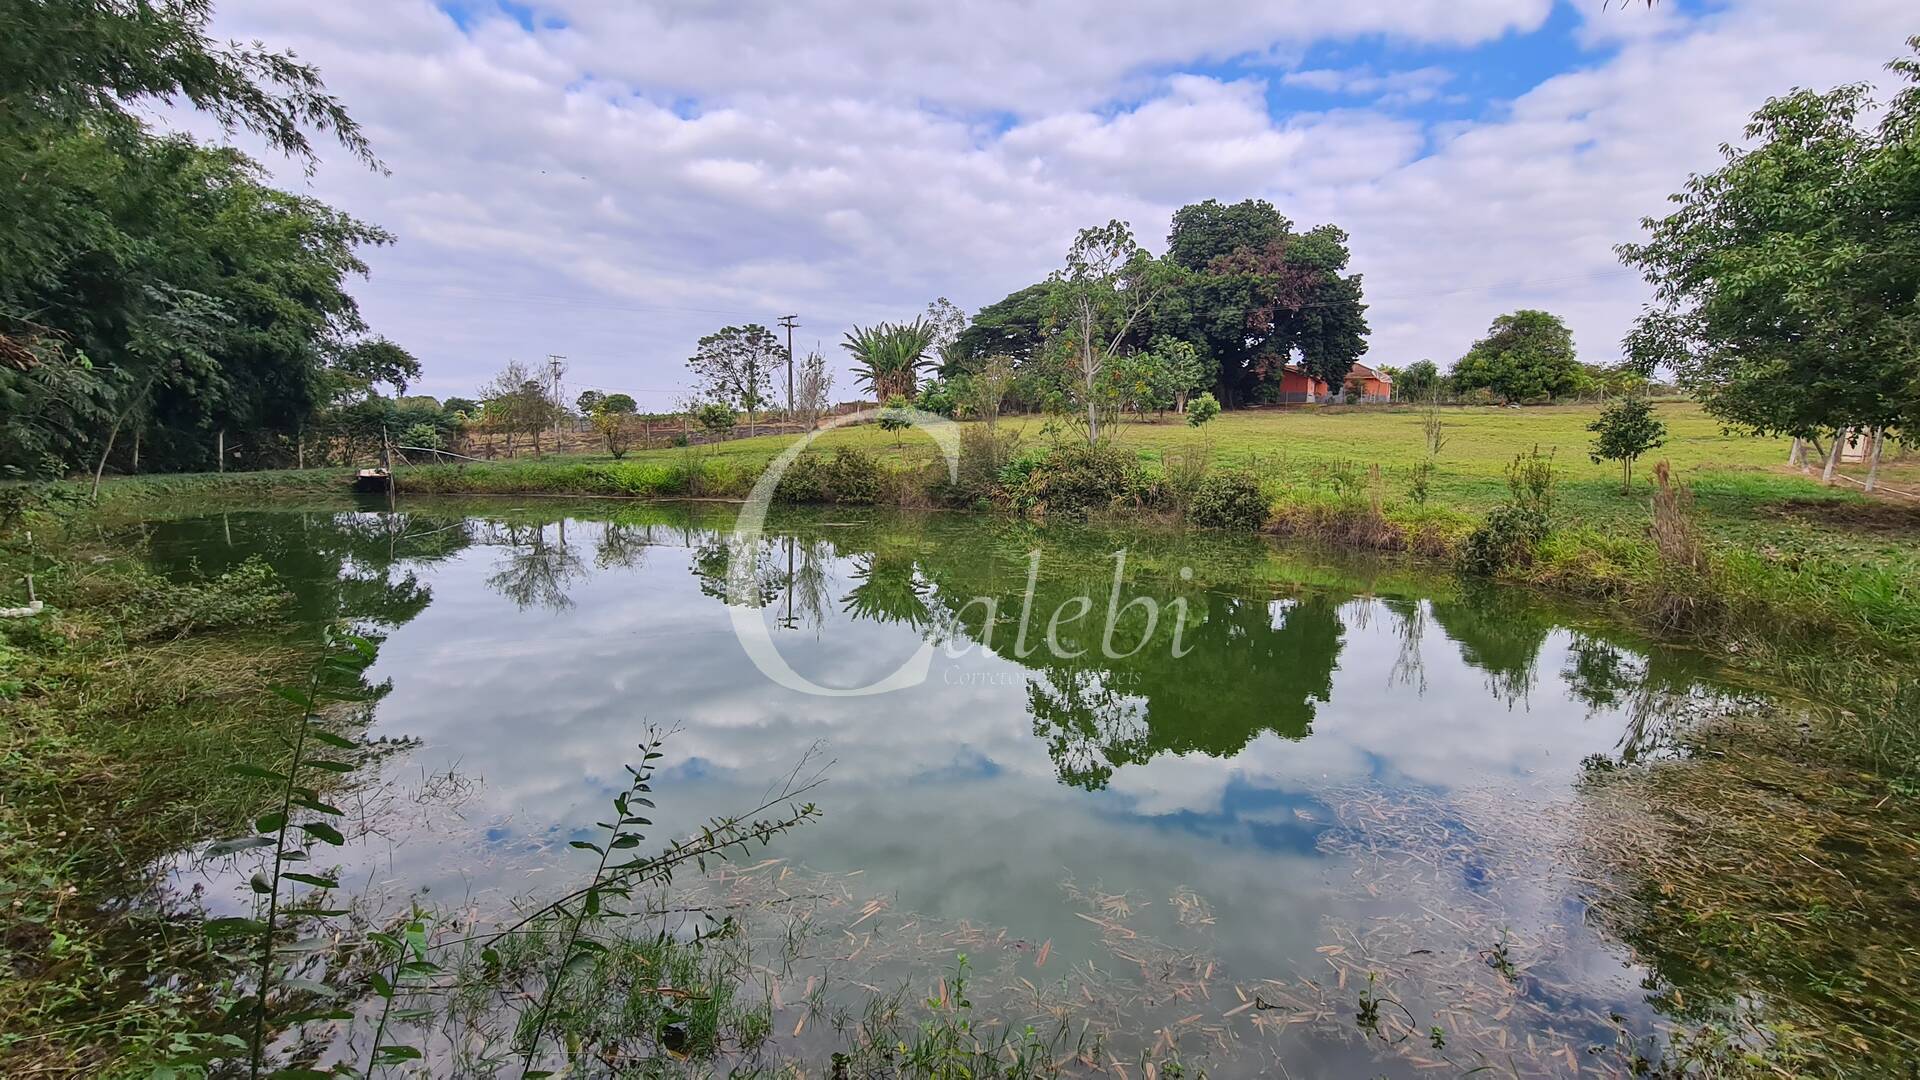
{"points": [[984, 457], [1229, 500], [1506, 538], [715, 417], [1511, 530], [847, 476], [1202, 409], [1073, 479]]}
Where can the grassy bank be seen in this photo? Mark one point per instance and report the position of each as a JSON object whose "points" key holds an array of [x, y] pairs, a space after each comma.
{"points": [[121, 707]]}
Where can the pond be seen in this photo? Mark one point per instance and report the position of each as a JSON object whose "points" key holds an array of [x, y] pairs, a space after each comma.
{"points": [[1197, 795]]}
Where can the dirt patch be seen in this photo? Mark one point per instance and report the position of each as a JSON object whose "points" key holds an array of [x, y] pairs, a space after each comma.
{"points": [[1886, 517]]}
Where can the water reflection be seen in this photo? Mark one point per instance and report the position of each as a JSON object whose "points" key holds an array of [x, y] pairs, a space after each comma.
{"points": [[1208, 739]]}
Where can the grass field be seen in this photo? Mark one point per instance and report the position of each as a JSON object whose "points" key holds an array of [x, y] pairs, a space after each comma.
{"points": [[1744, 492]]}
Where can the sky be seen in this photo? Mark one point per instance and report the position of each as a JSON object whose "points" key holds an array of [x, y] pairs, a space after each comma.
{"points": [[610, 180]]}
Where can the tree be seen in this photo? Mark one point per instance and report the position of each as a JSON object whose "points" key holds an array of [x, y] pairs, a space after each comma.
{"points": [[734, 367], [1626, 429], [467, 406], [813, 388], [515, 403], [1015, 327], [947, 322], [1787, 282], [715, 417], [888, 356], [618, 403], [894, 417], [616, 430], [987, 388], [1202, 409], [1525, 356], [147, 282], [1418, 381], [1108, 285], [588, 402], [1187, 371], [1255, 295]]}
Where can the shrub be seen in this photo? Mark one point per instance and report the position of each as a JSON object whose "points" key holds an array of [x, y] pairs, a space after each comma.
{"points": [[853, 476], [1182, 468], [805, 481], [1511, 530], [1202, 409], [1229, 500], [984, 456], [1074, 478], [716, 418]]}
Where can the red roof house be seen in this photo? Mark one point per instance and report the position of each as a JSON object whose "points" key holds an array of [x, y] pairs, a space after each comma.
{"points": [[1367, 384]]}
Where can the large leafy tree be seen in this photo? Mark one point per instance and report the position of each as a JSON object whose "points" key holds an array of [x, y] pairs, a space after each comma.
{"points": [[148, 284], [1786, 282], [1258, 295], [734, 366], [1014, 327], [1526, 355]]}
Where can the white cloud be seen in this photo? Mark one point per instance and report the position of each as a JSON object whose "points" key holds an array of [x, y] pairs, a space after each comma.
{"points": [[1393, 88], [613, 189]]}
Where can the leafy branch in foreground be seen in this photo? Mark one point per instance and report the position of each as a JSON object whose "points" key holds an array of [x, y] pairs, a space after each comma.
{"points": [[291, 831]]}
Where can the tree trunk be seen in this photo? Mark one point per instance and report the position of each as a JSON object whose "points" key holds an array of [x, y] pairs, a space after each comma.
{"points": [[1873, 457], [108, 449], [1626, 476], [1798, 455], [220, 449], [136, 451], [1833, 457], [300, 448]]}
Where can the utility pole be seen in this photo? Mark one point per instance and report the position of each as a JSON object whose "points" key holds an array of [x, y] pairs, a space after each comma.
{"points": [[789, 322], [554, 369]]}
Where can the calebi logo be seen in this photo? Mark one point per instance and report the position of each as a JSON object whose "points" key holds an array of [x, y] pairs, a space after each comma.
{"points": [[748, 625]]}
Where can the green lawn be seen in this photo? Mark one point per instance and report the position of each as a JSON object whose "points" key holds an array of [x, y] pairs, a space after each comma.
{"points": [[1744, 492]]}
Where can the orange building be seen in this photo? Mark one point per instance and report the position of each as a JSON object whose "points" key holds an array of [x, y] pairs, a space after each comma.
{"points": [[1296, 386], [1370, 385]]}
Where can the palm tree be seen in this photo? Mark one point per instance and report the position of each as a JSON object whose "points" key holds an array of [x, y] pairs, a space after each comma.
{"points": [[888, 356]]}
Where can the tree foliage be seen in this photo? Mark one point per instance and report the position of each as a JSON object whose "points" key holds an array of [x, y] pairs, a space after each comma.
{"points": [[1108, 287], [1787, 282], [1258, 295], [734, 367], [888, 356], [1624, 430], [150, 285], [1526, 356]]}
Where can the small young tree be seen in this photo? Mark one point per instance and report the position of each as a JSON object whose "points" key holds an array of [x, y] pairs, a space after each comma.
{"points": [[1109, 286], [893, 418], [716, 418], [613, 418], [813, 388], [989, 389], [1625, 429], [1202, 409]]}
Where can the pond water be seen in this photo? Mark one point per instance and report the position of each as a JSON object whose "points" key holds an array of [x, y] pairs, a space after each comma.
{"points": [[1211, 826]]}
